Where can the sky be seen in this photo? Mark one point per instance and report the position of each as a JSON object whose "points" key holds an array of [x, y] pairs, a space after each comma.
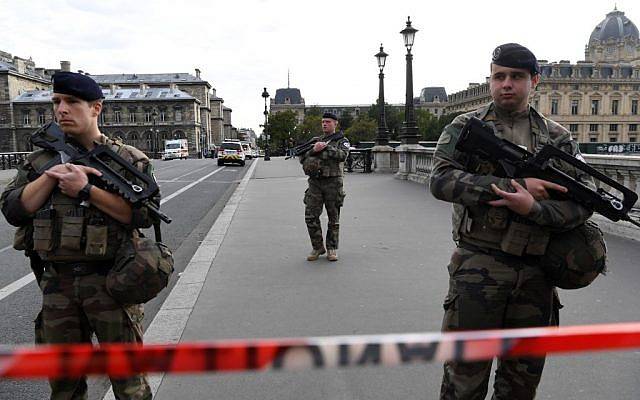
{"points": [[328, 47]]}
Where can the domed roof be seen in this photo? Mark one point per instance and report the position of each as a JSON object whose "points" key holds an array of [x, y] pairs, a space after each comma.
{"points": [[614, 26]]}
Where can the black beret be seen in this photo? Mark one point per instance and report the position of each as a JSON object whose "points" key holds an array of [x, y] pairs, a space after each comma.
{"points": [[513, 55], [78, 85], [330, 115]]}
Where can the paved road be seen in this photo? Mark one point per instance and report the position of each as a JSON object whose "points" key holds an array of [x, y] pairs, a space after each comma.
{"points": [[193, 212]]}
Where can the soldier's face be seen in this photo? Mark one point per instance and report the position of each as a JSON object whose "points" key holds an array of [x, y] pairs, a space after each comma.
{"points": [[329, 125], [74, 115], [510, 87]]}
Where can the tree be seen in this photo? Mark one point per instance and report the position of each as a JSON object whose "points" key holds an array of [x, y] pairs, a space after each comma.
{"points": [[427, 125], [393, 115], [313, 110], [281, 126], [310, 127], [362, 129], [345, 120]]}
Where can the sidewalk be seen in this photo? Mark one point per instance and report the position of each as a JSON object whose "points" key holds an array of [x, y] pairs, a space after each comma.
{"points": [[259, 284]]}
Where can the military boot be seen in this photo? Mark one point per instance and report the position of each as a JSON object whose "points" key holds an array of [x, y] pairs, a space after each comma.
{"points": [[333, 255], [315, 253]]}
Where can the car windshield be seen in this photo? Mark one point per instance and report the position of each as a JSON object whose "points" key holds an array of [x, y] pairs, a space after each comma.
{"points": [[172, 146], [231, 146]]}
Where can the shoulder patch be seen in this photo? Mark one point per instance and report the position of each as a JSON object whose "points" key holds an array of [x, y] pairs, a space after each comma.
{"points": [[346, 144]]}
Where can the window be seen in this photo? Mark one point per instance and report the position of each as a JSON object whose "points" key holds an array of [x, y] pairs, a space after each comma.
{"points": [[614, 107], [616, 87], [613, 139], [147, 116], [554, 106], [575, 104], [132, 116], [575, 87], [633, 127], [593, 127], [554, 86], [573, 127], [178, 114], [162, 115], [634, 107], [632, 139], [593, 139], [101, 118], [613, 127], [116, 116], [594, 107], [26, 118], [595, 87], [41, 117]]}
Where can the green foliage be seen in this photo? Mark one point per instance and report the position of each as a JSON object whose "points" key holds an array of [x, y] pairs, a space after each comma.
{"points": [[281, 126], [345, 120], [428, 126], [310, 127], [393, 115], [362, 129]]}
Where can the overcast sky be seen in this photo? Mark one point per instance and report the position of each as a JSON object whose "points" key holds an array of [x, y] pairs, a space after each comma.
{"points": [[329, 46]]}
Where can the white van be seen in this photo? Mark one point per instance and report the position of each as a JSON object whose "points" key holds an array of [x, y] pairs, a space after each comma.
{"points": [[175, 148]]}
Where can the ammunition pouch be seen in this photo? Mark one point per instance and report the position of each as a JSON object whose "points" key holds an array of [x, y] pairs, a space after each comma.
{"points": [[142, 269], [312, 167], [575, 258]]}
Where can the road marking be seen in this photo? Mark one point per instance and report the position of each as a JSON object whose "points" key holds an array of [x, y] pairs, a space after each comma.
{"points": [[25, 280], [16, 285], [189, 173], [184, 189]]}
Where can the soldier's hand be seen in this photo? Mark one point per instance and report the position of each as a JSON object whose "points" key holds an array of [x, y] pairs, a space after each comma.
{"points": [[72, 178], [319, 146], [539, 188], [520, 201]]}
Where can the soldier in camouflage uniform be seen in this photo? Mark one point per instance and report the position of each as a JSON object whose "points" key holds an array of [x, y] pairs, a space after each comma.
{"points": [[324, 165], [501, 227], [73, 229]]}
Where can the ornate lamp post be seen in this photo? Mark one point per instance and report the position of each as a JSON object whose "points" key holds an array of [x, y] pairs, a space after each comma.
{"points": [[409, 130], [265, 95], [154, 143], [383, 132]]}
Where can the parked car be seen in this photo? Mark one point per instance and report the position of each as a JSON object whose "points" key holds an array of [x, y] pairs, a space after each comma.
{"points": [[247, 150], [231, 153]]}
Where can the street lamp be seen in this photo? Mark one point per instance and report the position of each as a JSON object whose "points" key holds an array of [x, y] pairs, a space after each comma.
{"points": [[154, 139], [409, 130], [383, 132], [265, 95]]}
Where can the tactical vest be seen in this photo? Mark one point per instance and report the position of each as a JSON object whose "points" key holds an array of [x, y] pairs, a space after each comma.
{"points": [[498, 227], [319, 165], [63, 230]]}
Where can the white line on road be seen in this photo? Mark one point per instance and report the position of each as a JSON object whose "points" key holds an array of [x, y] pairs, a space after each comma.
{"points": [[17, 285], [25, 280], [189, 173]]}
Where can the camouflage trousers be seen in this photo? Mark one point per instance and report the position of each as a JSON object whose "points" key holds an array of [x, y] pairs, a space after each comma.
{"points": [[494, 292], [325, 192], [73, 309]]}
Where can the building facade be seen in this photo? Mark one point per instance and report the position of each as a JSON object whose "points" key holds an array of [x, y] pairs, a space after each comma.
{"points": [[596, 99], [141, 109]]}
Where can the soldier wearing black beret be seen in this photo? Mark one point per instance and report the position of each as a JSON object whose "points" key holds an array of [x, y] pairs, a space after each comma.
{"points": [[500, 227], [324, 165], [72, 229]]}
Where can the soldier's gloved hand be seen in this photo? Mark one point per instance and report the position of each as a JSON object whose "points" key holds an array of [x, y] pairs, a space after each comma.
{"points": [[319, 146], [520, 201], [72, 178], [539, 188]]}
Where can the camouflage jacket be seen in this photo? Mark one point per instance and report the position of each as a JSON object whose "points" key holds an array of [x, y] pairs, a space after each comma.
{"points": [[329, 161], [15, 213], [451, 181]]}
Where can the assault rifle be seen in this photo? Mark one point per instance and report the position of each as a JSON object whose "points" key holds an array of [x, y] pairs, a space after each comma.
{"points": [[306, 146], [477, 138], [138, 192]]}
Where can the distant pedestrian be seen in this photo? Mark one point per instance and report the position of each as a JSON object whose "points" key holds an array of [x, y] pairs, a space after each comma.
{"points": [[324, 165]]}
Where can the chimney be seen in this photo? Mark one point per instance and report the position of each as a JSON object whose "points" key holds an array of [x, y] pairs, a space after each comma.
{"points": [[143, 87], [172, 87], [197, 73], [65, 66], [112, 88]]}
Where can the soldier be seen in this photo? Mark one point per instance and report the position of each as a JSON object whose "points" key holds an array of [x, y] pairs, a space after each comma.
{"points": [[324, 164], [74, 228], [501, 227]]}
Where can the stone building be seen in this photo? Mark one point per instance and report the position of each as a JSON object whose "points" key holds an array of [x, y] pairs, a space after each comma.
{"points": [[597, 99], [142, 109]]}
